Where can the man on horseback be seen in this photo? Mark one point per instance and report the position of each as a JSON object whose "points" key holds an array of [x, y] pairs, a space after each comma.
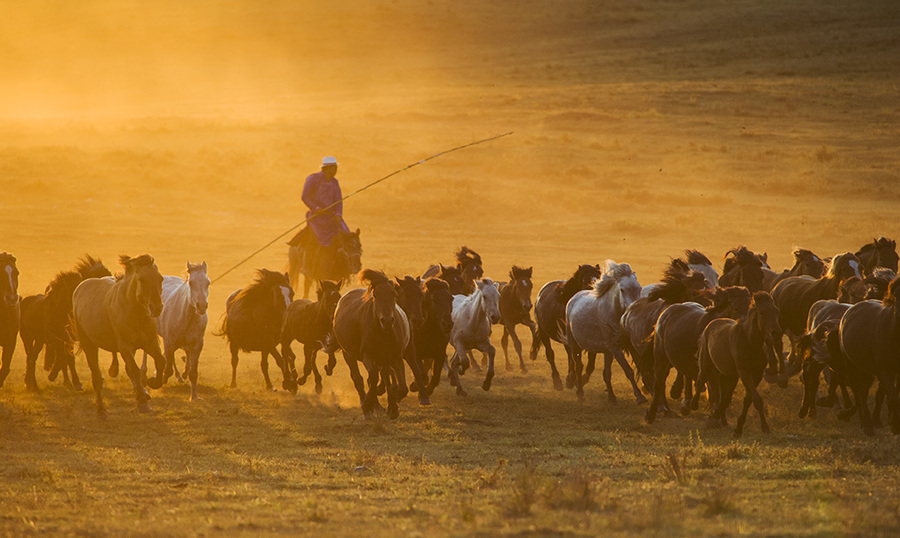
{"points": [[322, 195], [321, 250]]}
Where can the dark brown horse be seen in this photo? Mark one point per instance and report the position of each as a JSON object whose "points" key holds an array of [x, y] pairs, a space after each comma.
{"points": [[468, 263], [515, 309], [450, 274], [730, 351], [118, 316], [881, 252], [9, 311], [253, 320], [679, 284], [310, 323], [550, 314], [336, 262], [372, 329], [870, 340], [675, 338], [46, 322], [410, 299], [432, 340]]}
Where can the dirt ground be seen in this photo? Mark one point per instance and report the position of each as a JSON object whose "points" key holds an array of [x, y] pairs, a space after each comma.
{"points": [[185, 130]]}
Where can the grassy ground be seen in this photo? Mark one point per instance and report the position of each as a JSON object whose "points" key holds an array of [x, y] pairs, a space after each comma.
{"points": [[641, 129]]}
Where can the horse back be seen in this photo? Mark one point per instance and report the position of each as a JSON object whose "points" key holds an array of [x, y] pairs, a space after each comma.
{"points": [[90, 303]]}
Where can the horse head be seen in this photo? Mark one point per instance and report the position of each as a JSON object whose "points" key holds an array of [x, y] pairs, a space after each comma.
{"points": [[764, 313], [807, 263], [490, 297], [618, 277], [9, 279], [886, 253], [409, 297], [198, 283], [469, 262], [141, 273], [328, 294], [454, 277], [744, 268], [438, 302], [350, 249], [520, 280], [844, 266], [382, 294]]}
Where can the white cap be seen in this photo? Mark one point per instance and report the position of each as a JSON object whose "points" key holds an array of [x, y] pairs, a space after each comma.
{"points": [[329, 161]]}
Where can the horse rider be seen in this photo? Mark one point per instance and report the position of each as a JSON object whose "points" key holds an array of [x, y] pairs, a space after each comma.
{"points": [[322, 195]]}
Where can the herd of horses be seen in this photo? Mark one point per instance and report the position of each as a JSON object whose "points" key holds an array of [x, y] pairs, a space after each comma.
{"points": [[840, 316]]}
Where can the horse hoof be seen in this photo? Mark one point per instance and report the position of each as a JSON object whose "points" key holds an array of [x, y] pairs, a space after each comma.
{"points": [[114, 369], [101, 414], [737, 434], [685, 409], [144, 407], [570, 382], [52, 377], [31, 387], [154, 383], [426, 401], [461, 392], [612, 399], [233, 385], [649, 417], [557, 383], [486, 385], [641, 399], [79, 387], [393, 412], [318, 388]]}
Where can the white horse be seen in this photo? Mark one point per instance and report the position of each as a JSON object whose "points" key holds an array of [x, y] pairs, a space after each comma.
{"points": [[182, 323], [592, 324], [472, 317]]}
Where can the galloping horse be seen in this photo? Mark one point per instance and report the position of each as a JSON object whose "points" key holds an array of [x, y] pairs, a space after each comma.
{"points": [[253, 319], [730, 351], [473, 316], [592, 325], [515, 309], [372, 329], [118, 316], [9, 311], [336, 262], [310, 323], [183, 320], [411, 298], [550, 313], [431, 341]]}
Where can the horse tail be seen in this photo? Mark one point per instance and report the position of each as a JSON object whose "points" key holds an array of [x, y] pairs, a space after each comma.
{"points": [[643, 361], [561, 331], [222, 326]]}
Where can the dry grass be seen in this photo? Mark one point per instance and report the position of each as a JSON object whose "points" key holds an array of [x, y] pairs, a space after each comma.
{"points": [[641, 130]]}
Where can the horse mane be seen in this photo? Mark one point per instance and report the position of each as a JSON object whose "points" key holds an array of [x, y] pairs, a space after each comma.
{"points": [[614, 271], [677, 279], [466, 256], [573, 284], [6, 257], [264, 280], [695, 257], [130, 263], [90, 267], [64, 281], [517, 272]]}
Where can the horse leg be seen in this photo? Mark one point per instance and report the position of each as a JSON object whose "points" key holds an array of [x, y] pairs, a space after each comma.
{"points": [[317, 376], [688, 396], [234, 365], [517, 345], [353, 367], [728, 384], [551, 358], [607, 377], [91, 353], [308, 362], [810, 378], [171, 367], [193, 364], [159, 360], [6, 362], [629, 373], [418, 371], [661, 371], [68, 357], [437, 368], [504, 344], [491, 351], [131, 368], [264, 365], [31, 363], [114, 365], [371, 401], [589, 367], [739, 427]]}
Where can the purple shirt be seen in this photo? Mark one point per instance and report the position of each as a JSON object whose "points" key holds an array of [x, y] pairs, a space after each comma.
{"points": [[320, 192]]}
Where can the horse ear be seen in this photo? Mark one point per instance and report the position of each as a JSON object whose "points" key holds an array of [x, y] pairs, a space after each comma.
{"points": [[529, 271], [203, 265], [399, 281], [287, 277], [357, 231], [419, 280]]}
